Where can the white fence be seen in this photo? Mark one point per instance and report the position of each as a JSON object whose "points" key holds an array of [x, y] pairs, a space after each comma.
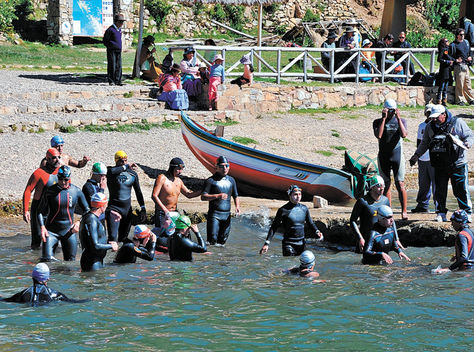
{"points": [[267, 62]]}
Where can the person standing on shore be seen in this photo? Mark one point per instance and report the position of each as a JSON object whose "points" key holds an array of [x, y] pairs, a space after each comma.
{"points": [[460, 51], [390, 131], [166, 190], [57, 142], [39, 181], [113, 42], [292, 216], [218, 191]]}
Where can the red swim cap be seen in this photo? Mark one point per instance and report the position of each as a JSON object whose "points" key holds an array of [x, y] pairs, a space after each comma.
{"points": [[52, 152]]}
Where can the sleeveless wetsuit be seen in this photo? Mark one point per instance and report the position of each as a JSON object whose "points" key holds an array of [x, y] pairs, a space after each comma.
{"points": [[39, 181], [120, 180], [293, 218], [182, 248], [464, 244], [93, 242], [60, 203], [129, 253], [39, 294], [218, 216], [381, 240]]}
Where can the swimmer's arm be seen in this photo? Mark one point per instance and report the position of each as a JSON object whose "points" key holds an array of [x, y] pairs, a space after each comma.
{"points": [[369, 246], [237, 205], [312, 225], [115, 170], [462, 258], [94, 236], [275, 225], [159, 182], [188, 193], [147, 252], [78, 163], [81, 198], [138, 192], [199, 247], [30, 186], [209, 197], [353, 223]]}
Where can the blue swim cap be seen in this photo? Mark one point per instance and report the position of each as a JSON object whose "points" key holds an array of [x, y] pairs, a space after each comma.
{"points": [[57, 140], [64, 172], [40, 272], [307, 259], [460, 216]]}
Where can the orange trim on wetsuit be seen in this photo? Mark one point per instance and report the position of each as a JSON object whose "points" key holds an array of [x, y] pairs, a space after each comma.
{"points": [[469, 240], [36, 183]]}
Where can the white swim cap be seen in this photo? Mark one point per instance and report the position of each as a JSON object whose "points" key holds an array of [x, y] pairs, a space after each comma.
{"points": [[307, 259], [390, 104], [384, 212], [40, 272]]}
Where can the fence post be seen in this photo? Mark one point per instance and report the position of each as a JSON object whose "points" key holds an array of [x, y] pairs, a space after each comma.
{"points": [[305, 56], [357, 67], [278, 66], [384, 54], [331, 66], [432, 61]]}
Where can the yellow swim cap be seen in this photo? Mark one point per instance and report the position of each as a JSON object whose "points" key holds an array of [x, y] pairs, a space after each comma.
{"points": [[120, 155]]}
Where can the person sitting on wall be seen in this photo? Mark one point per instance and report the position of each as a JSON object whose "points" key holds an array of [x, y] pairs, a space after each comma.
{"points": [[148, 67], [329, 43], [173, 93], [247, 77], [191, 78]]}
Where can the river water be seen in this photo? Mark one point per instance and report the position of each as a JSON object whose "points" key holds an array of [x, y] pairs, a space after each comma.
{"points": [[236, 300]]}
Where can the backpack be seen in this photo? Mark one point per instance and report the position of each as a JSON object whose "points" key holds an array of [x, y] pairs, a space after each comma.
{"points": [[443, 152]]}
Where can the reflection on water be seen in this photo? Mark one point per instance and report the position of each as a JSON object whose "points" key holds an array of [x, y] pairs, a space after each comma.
{"points": [[235, 299]]}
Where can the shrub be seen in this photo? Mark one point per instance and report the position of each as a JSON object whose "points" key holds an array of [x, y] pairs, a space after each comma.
{"points": [[443, 13], [158, 9], [7, 15], [309, 16], [231, 14]]}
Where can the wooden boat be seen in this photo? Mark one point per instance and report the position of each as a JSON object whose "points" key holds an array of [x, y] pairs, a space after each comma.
{"points": [[265, 170]]}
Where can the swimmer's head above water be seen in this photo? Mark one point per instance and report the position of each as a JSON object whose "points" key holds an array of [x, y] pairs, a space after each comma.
{"points": [[40, 273], [307, 260], [176, 166], [385, 215], [222, 165], [295, 194]]}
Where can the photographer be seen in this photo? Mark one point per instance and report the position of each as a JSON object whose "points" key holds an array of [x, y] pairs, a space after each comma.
{"points": [[389, 130]]}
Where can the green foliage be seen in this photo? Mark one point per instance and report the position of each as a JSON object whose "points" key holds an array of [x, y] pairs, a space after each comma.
{"points": [[421, 36], [324, 152], [334, 133], [7, 15], [170, 125], [280, 29], [309, 16], [272, 8], [244, 140], [158, 9], [23, 9], [128, 94], [338, 147], [198, 8], [68, 129], [443, 13], [132, 128], [229, 14], [227, 122]]}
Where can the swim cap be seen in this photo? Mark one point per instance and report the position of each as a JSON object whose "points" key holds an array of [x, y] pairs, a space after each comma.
{"points": [[390, 104], [40, 272], [176, 162], [384, 212], [120, 155], [307, 259], [64, 172], [428, 108], [183, 222], [222, 160], [99, 169], [460, 216], [141, 232], [98, 200], [293, 188], [375, 181], [57, 140], [52, 152]]}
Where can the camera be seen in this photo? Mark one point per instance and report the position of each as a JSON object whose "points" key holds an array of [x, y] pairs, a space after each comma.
{"points": [[391, 111]]}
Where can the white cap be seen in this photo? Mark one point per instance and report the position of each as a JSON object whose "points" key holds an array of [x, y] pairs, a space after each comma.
{"points": [[384, 211], [40, 272], [437, 110], [428, 108], [218, 57], [365, 42], [390, 104], [307, 258]]}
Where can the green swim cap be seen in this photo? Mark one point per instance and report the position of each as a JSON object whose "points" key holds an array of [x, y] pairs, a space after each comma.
{"points": [[183, 222], [99, 169]]}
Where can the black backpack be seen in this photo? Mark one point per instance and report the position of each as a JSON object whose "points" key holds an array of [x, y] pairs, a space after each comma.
{"points": [[443, 151]]}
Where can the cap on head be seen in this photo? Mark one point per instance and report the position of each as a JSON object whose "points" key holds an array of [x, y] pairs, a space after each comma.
{"points": [[176, 162], [119, 17], [437, 110], [52, 152], [189, 50], [218, 57], [350, 29], [222, 160], [375, 181], [245, 60], [202, 65], [64, 172], [141, 232], [183, 222], [99, 169], [384, 211], [390, 104], [120, 155], [293, 188], [57, 140], [40, 272], [307, 259], [365, 42], [428, 108], [98, 200], [332, 35], [460, 216]]}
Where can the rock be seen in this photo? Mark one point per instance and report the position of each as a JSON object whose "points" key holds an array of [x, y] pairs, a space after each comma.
{"points": [[319, 202]]}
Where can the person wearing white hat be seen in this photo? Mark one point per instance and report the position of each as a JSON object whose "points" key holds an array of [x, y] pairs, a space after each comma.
{"points": [[247, 77], [306, 268], [382, 240], [390, 131], [426, 182], [216, 77], [39, 293], [447, 137]]}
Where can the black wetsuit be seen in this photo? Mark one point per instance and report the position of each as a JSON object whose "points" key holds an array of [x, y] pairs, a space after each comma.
{"points": [[365, 209], [120, 180], [93, 242], [464, 245], [299, 271], [381, 239], [129, 253], [39, 294], [90, 188], [182, 248], [292, 217], [60, 203], [161, 239], [218, 216]]}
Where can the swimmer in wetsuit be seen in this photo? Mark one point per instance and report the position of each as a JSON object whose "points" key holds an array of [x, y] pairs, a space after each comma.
{"points": [[93, 237], [390, 131], [180, 246], [163, 233], [40, 293], [142, 246], [59, 203], [57, 142], [166, 190], [306, 268], [121, 178], [365, 209], [39, 181], [97, 183], [382, 240], [218, 190], [292, 216], [464, 243]]}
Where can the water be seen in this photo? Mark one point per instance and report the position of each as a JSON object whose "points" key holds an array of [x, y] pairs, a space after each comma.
{"points": [[236, 300]]}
